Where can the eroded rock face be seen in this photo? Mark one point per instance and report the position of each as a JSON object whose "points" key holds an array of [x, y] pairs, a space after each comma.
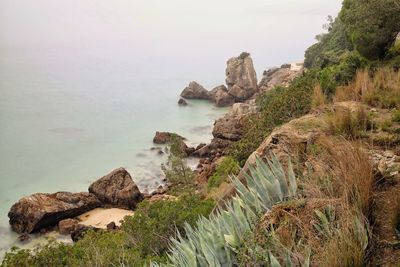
{"points": [[241, 78], [220, 96], [42, 210], [282, 76], [195, 91], [228, 127], [117, 189]]}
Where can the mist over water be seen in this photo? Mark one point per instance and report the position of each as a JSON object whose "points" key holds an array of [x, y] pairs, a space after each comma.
{"points": [[85, 84]]}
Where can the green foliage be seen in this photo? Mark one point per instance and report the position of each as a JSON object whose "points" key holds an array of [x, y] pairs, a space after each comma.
{"points": [[217, 239], [243, 55], [396, 115], [277, 106], [144, 237], [153, 224], [177, 172], [226, 167], [371, 25]]}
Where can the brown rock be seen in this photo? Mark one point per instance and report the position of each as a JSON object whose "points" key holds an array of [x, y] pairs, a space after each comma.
{"points": [[220, 96], [117, 189], [228, 127], [67, 226], [111, 226], [80, 231], [165, 137], [195, 91], [241, 78], [42, 210]]}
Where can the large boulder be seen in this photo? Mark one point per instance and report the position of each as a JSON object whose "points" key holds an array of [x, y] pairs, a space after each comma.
{"points": [[42, 210], [117, 189], [220, 96], [241, 77], [228, 127], [195, 91]]}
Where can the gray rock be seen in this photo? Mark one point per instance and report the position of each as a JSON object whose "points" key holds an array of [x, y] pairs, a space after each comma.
{"points": [[117, 189], [195, 91]]}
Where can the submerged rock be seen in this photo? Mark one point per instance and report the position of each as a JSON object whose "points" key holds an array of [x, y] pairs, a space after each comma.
{"points": [[195, 91], [117, 189], [42, 210], [241, 77], [182, 102]]}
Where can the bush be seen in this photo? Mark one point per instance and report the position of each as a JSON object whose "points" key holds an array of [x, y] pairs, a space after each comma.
{"points": [[277, 106], [349, 125], [228, 166], [153, 224]]}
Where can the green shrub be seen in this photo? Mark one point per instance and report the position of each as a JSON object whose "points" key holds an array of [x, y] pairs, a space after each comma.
{"points": [[243, 55], [396, 115], [277, 106], [226, 167], [153, 224]]}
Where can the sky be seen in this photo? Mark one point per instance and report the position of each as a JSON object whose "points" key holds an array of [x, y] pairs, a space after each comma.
{"points": [[184, 31]]}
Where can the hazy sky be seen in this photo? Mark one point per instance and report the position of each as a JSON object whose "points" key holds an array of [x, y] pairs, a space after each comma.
{"points": [[207, 31]]}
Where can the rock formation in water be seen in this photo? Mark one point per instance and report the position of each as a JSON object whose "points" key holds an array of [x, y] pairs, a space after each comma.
{"points": [[221, 97], [117, 189], [241, 77], [195, 91], [42, 210]]}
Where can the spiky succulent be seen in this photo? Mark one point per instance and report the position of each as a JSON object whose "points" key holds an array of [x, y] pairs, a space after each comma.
{"points": [[215, 240]]}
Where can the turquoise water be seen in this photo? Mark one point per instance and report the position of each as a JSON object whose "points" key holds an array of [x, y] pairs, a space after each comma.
{"points": [[84, 85], [62, 128]]}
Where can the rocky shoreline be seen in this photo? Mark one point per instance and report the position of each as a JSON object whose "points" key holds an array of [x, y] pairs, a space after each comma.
{"points": [[116, 193]]}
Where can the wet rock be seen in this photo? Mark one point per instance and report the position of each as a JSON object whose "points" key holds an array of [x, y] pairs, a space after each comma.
{"points": [[41, 210], [216, 146], [182, 102], [241, 78], [220, 96], [67, 226], [195, 91], [117, 189]]}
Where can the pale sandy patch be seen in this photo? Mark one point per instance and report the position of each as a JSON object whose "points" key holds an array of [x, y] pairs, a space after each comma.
{"points": [[100, 217]]}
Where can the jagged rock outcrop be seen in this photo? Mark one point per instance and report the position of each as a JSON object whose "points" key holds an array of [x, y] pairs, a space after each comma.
{"points": [[282, 76], [195, 91], [42, 210], [220, 96], [228, 127], [241, 77], [165, 137], [117, 189]]}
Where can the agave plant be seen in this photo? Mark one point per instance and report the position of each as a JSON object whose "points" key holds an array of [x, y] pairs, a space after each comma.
{"points": [[215, 240]]}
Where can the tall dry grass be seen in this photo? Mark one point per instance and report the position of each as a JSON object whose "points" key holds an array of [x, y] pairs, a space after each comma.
{"points": [[381, 89], [318, 97]]}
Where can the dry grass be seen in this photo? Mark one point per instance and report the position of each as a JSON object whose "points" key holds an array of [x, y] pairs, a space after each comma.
{"points": [[382, 89], [349, 124], [318, 98]]}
